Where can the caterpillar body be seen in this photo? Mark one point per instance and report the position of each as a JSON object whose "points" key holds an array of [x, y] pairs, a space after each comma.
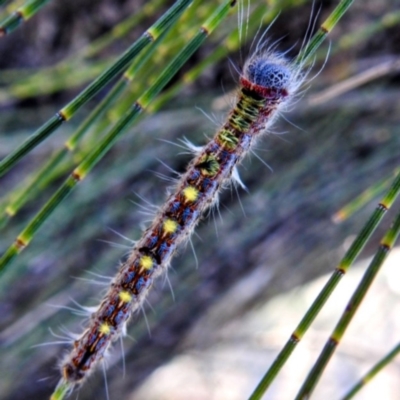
{"points": [[267, 83]]}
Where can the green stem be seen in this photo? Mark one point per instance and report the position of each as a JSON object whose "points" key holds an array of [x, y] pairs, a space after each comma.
{"points": [[20, 15], [316, 372], [31, 188], [364, 198], [372, 372], [61, 391], [327, 290], [323, 31], [71, 108]]}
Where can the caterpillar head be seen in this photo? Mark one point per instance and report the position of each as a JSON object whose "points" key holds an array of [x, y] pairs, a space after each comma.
{"points": [[268, 74]]}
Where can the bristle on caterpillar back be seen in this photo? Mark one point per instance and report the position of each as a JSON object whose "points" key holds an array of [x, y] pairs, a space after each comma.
{"points": [[267, 83]]}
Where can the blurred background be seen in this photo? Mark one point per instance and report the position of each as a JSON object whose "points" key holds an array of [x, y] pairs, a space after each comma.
{"points": [[260, 257]]}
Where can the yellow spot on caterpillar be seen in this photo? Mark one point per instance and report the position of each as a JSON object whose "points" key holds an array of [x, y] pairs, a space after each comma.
{"points": [[146, 262], [125, 296], [105, 329], [170, 226], [190, 193]]}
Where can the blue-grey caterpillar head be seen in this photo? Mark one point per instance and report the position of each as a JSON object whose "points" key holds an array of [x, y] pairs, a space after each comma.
{"points": [[268, 74]]}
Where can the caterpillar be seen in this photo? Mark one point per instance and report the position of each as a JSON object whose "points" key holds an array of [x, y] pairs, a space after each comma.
{"points": [[267, 84]]}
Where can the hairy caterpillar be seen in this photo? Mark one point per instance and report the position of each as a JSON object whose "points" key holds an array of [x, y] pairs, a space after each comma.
{"points": [[267, 84], [224, 242]]}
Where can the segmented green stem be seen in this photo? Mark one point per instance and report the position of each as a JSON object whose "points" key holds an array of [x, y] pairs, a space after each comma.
{"points": [[20, 15], [366, 196], [75, 70], [384, 248], [329, 287], [25, 237], [323, 31], [67, 112], [32, 187], [372, 372]]}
